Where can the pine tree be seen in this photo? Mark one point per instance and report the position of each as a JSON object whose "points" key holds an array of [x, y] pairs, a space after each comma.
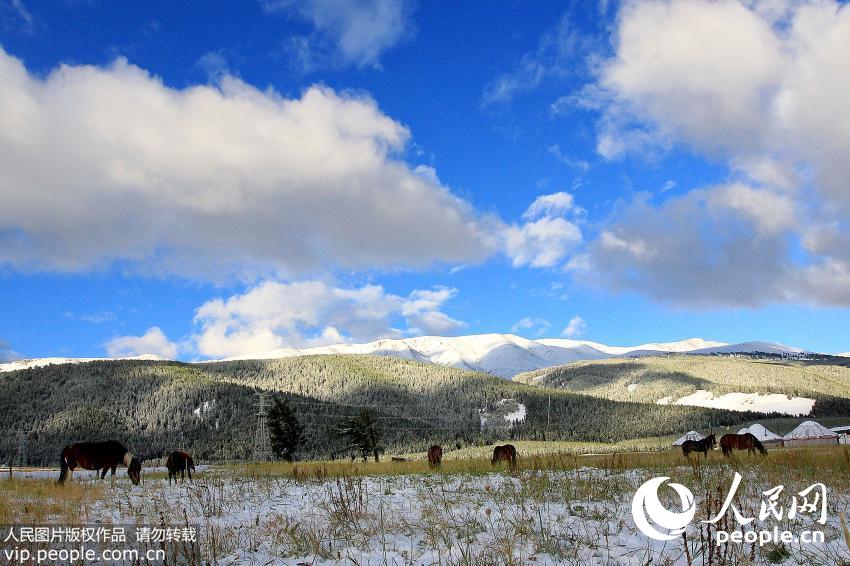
{"points": [[363, 433], [286, 432]]}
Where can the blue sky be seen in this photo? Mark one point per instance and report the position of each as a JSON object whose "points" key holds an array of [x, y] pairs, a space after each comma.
{"points": [[200, 183]]}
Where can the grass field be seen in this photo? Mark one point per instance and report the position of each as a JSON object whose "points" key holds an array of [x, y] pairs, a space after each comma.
{"points": [[555, 508]]}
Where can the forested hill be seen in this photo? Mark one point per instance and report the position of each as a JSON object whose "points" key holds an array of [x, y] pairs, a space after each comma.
{"points": [[209, 408], [650, 378]]}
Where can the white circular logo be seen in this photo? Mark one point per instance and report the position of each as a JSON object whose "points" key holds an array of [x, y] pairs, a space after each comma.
{"points": [[646, 507]]}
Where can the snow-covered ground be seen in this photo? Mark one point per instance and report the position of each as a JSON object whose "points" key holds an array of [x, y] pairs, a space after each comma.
{"points": [[767, 403], [580, 516]]}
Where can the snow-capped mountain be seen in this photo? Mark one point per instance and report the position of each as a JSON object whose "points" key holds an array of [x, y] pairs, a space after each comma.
{"points": [[507, 355], [41, 362], [504, 355]]}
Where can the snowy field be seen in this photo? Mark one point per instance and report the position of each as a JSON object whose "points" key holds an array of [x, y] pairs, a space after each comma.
{"points": [[533, 516]]}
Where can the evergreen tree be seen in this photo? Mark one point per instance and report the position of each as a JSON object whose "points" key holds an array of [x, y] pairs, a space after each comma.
{"points": [[286, 432], [363, 433]]}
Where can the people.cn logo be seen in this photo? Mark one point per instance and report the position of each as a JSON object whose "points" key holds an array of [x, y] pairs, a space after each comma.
{"points": [[647, 509]]}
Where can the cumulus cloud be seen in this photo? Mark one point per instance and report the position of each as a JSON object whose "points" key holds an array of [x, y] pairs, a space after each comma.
{"points": [[99, 165], [576, 327], [711, 247], [353, 32], [154, 341], [759, 85], [545, 238], [301, 314]]}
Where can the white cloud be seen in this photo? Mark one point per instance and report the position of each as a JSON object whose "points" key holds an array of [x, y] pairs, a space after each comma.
{"points": [[534, 326], [99, 317], [301, 314], [554, 204], [99, 165], [356, 32], [14, 16], [545, 238], [7, 354], [554, 56], [154, 341], [760, 85], [576, 327], [708, 247]]}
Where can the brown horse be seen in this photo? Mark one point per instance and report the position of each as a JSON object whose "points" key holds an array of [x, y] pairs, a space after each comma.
{"points": [[745, 441], [181, 462], [435, 457], [106, 455], [703, 445], [506, 453]]}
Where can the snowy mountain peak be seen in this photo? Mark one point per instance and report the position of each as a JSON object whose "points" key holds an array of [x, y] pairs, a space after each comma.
{"points": [[507, 354], [504, 355]]}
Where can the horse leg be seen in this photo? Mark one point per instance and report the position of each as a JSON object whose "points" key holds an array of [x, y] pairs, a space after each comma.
{"points": [[189, 471], [103, 474], [112, 471]]}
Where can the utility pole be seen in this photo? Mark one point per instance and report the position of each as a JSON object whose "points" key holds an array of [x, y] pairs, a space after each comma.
{"points": [[20, 457], [22, 448], [262, 444]]}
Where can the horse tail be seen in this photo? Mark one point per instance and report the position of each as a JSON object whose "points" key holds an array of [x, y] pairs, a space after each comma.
{"points": [[63, 467], [757, 443]]}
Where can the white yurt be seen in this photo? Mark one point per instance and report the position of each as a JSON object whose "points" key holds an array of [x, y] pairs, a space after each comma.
{"points": [[810, 433], [765, 436], [843, 433], [692, 435]]}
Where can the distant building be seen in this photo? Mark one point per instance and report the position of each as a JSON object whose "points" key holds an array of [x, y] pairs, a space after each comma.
{"points": [[810, 433], [692, 435], [765, 436]]}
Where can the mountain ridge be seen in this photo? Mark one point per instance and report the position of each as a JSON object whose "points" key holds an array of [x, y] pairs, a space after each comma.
{"points": [[507, 355], [504, 355]]}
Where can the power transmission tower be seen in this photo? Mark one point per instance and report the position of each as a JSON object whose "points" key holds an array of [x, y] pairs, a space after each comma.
{"points": [[262, 444]]}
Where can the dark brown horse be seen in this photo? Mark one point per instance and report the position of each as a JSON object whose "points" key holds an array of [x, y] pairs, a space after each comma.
{"points": [[703, 445], [106, 455], [435, 457], [745, 441], [181, 462], [506, 453]]}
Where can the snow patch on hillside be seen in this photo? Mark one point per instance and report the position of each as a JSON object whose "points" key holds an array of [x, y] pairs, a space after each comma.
{"points": [[768, 403]]}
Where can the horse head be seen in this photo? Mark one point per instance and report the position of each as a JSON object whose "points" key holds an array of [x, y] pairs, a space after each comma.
{"points": [[190, 463], [712, 440], [134, 470]]}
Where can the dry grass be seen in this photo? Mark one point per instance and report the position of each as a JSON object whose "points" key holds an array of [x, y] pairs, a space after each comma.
{"points": [[567, 508], [27, 501]]}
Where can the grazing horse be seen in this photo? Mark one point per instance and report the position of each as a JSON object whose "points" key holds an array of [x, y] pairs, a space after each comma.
{"points": [[745, 441], [505, 453], [181, 462], [703, 445], [435, 457], [97, 456]]}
